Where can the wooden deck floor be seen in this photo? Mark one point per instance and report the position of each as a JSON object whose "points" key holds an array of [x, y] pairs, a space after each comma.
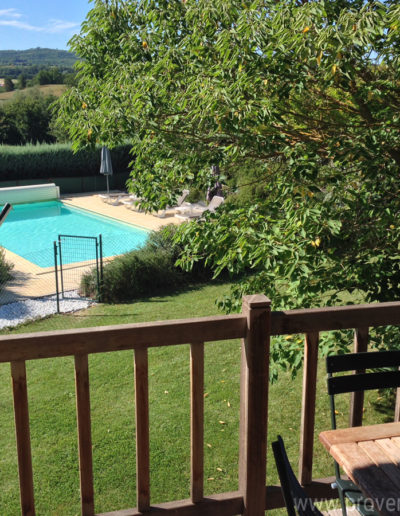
{"points": [[351, 511]]}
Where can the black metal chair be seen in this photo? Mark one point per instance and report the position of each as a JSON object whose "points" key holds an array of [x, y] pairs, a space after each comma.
{"points": [[354, 382], [296, 499]]}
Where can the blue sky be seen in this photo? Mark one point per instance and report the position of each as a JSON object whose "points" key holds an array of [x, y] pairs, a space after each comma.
{"points": [[40, 23]]}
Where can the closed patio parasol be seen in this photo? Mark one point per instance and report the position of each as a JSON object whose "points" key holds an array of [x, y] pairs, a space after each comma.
{"points": [[106, 165]]}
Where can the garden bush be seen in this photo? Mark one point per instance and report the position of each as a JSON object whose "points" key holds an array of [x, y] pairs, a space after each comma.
{"points": [[138, 274], [144, 272], [5, 268]]}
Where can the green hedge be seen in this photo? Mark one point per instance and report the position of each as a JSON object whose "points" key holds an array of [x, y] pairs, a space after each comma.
{"points": [[144, 272], [134, 275], [56, 160]]}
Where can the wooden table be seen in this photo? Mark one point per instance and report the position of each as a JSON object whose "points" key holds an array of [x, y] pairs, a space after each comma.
{"points": [[370, 455]]}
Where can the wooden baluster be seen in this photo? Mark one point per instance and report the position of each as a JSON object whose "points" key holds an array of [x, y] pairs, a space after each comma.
{"points": [[357, 398], [197, 420], [254, 404], [84, 434], [397, 407], [308, 407], [142, 430], [21, 414]]}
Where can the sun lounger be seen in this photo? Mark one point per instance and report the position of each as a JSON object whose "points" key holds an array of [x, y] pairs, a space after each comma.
{"points": [[187, 207], [109, 199], [173, 209], [113, 198], [194, 212], [132, 203]]}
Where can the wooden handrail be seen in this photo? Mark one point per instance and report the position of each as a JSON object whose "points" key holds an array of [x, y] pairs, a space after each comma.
{"points": [[51, 344], [101, 339], [334, 318], [254, 325]]}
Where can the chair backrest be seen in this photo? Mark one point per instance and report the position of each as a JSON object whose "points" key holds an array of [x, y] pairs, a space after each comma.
{"points": [[183, 196], [294, 495], [215, 202], [363, 381]]}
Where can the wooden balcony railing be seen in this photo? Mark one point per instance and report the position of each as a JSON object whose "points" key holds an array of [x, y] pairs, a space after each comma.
{"points": [[255, 325]]}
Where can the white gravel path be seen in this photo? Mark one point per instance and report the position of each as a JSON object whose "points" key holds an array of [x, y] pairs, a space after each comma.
{"points": [[21, 311]]}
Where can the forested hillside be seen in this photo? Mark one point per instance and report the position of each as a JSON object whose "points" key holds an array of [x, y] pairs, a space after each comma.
{"points": [[31, 61]]}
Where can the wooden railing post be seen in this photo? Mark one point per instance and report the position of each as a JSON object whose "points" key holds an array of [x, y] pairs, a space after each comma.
{"points": [[357, 398], [21, 414], [197, 421], [84, 434], [308, 407], [142, 429], [254, 404], [397, 406]]}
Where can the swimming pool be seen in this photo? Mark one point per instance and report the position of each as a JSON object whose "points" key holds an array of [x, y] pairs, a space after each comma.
{"points": [[31, 229]]}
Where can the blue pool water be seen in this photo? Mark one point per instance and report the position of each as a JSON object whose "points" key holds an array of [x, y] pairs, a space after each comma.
{"points": [[31, 229]]}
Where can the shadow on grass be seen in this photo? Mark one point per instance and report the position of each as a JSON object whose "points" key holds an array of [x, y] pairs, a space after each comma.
{"points": [[385, 404], [185, 288]]}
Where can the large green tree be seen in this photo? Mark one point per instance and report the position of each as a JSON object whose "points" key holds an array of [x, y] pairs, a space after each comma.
{"points": [[51, 75], [26, 118], [21, 81], [8, 84], [305, 93]]}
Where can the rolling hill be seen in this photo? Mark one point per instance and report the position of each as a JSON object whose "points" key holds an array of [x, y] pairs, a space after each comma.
{"points": [[29, 62]]}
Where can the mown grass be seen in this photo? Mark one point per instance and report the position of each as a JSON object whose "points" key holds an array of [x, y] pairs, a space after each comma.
{"points": [[53, 423]]}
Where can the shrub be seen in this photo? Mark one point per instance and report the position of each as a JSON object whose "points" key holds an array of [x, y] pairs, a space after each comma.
{"points": [[136, 274], [143, 272], [163, 240], [5, 268]]}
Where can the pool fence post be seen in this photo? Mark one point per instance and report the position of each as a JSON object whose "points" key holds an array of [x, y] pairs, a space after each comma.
{"points": [[101, 266], [55, 269], [61, 267], [97, 268]]}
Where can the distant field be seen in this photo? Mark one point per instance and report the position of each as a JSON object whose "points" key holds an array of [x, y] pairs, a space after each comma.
{"points": [[47, 89]]}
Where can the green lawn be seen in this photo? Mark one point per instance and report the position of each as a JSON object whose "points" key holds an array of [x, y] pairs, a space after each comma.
{"points": [[53, 424]]}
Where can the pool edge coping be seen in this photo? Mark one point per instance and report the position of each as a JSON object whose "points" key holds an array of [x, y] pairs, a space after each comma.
{"points": [[70, 204]]}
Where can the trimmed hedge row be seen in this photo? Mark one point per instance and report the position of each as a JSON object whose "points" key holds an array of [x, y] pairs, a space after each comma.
{"points": [[56, 160]]}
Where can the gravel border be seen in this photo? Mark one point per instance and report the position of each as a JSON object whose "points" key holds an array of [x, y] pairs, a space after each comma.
{"points": [[30, 309]]}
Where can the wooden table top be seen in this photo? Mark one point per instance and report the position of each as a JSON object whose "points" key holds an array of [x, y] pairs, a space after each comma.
{"points": [[370, 455]]}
